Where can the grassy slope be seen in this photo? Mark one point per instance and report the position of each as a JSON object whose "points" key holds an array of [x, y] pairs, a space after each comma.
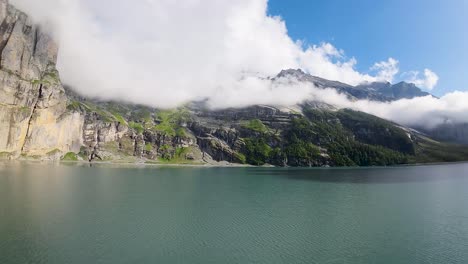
{"points": [[430, 151]]}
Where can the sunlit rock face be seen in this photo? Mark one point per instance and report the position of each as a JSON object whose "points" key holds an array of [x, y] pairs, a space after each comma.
{"points": [[33, 116]]}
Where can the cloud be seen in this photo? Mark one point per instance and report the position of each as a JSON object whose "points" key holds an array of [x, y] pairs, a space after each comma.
{"points": [[428, 80], [422, 112], [386, 69], [165, 53], [426, 112]]}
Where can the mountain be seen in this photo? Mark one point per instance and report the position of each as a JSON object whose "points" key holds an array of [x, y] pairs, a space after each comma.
{"points": [[376, 91], [33, 104], [40, 119]]}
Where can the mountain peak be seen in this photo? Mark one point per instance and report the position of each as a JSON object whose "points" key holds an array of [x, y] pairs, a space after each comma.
{"points": [[403, 83], [291, 72]]}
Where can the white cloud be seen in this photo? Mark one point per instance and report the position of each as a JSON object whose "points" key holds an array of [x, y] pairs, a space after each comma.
{"points": [[386, 70], [428, 80], [427, 112], [163, 53]]}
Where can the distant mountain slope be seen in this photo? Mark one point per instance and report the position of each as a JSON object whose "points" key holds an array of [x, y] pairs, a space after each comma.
{"points": [[254, 135], [456, 133], [377, 91], [397, 91]]}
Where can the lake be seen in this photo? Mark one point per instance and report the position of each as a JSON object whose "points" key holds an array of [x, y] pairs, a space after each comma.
{"points": [[105, 214]]}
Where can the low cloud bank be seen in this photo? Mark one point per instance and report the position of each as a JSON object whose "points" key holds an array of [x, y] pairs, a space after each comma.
{"points": [[165, 53], [427, 112]]}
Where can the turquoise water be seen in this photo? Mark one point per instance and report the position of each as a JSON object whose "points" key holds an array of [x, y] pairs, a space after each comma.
{"points": [[78, 214]]}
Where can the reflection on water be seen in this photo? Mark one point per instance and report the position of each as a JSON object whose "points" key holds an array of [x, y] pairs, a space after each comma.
{"points": [[134, 214]]}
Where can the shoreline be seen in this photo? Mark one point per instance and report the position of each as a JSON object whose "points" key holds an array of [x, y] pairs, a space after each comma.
{"points": [[131, 164], [210, 165]]}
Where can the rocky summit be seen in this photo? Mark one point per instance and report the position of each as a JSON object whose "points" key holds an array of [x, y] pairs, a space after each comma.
{"points": [[42, 120]]}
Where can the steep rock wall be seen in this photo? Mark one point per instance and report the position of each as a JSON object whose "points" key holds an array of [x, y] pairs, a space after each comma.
{"points": [[33, 116]]}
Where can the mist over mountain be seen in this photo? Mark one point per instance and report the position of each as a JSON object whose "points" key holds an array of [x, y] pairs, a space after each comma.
{"points": [[164, 55]]}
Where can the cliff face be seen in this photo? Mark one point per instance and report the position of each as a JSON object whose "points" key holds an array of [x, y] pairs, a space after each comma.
{"points": [[33, 116]]}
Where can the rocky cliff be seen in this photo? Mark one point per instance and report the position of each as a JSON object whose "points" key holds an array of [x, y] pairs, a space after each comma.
{"points": [[33, 116]]}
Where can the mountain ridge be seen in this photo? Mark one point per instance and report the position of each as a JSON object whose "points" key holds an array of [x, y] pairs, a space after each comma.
{"points": [[40, 119], [375, 91]]}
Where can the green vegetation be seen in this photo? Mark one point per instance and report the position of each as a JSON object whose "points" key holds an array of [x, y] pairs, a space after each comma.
{"points": [[180, 132], [256, 125], [53, 152], [148, 147], [375, 131], [257, 151], [180, 152], [175, 156], [428, 151], [106, 116], [241, 158], [293, 145], [166, 152], [120, 119], [70, 156], [171, 122], [137, 127], [83, 153], [166, 128], [76, 106], [142, 115], [50, 78], [344, 145], [297, 142], [343, 138]]}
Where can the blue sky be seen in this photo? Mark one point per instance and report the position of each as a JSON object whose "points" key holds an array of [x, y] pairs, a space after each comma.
{"points": [[419, 33]]}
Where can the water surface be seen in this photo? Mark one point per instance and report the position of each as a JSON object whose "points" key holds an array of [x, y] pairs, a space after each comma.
{"points": [[78, 214]]}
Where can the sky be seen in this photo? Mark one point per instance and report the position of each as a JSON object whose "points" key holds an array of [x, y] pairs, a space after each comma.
{"points": [[419, 33], [165, 53]]}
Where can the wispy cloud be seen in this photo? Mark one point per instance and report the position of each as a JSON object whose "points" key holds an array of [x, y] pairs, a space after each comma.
{"points": [[386, 70], [427, 80]]}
